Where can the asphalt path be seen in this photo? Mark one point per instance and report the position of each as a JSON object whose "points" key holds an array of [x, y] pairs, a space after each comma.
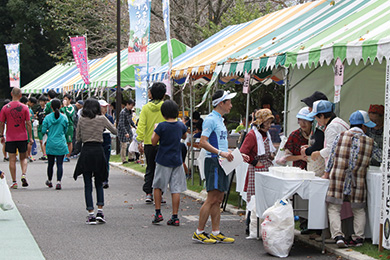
{"points": [[56, 219]]}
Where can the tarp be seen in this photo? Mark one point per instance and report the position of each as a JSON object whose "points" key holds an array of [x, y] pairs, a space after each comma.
{"points": [[363, 35], [102, 71]]}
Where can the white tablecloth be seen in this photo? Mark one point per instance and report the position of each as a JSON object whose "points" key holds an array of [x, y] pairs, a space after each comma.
{"points": [[270, 188]]}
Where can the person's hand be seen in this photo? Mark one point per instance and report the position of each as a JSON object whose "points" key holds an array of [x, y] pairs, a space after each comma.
{"points": [[2, 175], [303, 158], [325, 176], [315, 155], [228, 155], [127, 135], [2, 140], [245, 157], [31, 140], [140, 148]]}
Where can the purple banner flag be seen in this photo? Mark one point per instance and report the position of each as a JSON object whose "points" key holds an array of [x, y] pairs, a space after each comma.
{"points": [[79, 49], [13, 64]]}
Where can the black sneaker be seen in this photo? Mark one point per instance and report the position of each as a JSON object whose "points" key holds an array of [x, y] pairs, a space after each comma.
{"points": [[100, 218], [157, 219], [173, 222], [105, 185], [58, 186], [340, 242], [49, 184], [24, 181], [91, 220], [357, 242]]}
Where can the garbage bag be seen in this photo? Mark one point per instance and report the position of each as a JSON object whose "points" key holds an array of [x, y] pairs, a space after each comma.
{"points": [[277, 229], [6, 202]]}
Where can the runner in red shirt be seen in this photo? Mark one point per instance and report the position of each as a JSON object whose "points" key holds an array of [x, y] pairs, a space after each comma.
{"points": [[17, 117]]}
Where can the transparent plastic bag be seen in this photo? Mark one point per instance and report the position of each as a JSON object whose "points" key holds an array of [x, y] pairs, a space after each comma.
{"points": [[6, 202], [277, 229]]}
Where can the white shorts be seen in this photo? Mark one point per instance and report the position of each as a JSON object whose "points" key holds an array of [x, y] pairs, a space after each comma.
{"points": [[174, 176]]}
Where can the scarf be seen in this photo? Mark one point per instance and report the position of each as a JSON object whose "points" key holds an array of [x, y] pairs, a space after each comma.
{"points": [[260, 142]]}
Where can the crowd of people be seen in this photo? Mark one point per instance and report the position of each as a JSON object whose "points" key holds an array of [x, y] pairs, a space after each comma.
{"points": [[323, 143]]}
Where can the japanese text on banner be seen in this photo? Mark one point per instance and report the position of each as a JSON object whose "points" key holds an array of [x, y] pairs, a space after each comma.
{"points": [[79, 50], [139, 11], [13, 64]]}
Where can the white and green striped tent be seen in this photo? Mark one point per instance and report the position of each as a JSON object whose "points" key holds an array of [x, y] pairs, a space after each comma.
{"points": [[64, 78]]}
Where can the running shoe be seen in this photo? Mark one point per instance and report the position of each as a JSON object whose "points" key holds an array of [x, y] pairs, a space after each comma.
{"points": [[157, 219], [220, 238], [43, 158], [58, 186], [100, 218], [357, 242], [49, 184], [149, 198], [5, 159], [91, 220], [203, 238], [14, 186], [340, 242], [66, 159], [105, 185], [24, 181], [173, 222]]}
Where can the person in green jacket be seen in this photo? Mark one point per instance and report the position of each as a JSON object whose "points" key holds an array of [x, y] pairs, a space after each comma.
{"points": [[51, 94], [150, 116], [55, 125], [68, 110]]}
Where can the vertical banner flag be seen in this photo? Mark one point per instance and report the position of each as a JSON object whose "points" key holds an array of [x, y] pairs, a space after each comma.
{"points": [[79, 49], [167, 30], [141, 85], [139, 11], [245, 87], [338, 79], [13, 64], [385, 207]]}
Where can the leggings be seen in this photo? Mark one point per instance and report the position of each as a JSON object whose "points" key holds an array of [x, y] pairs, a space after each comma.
{"points": [[60, 161]]}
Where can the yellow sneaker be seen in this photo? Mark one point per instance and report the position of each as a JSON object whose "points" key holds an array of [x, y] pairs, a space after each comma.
{"points": [[220, 238], [203, 238]]}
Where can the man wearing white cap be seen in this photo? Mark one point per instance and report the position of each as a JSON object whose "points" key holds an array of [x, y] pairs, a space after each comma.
{"points": [[214, 141], [346, 170], [106, 139]]}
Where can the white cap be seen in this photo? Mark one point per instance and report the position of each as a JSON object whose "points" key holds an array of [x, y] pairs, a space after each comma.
{"points": [[103, 103], [226, 95]]}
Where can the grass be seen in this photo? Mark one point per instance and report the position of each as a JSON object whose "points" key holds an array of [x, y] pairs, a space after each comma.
{"points": [[234, 197], [372, 250]]}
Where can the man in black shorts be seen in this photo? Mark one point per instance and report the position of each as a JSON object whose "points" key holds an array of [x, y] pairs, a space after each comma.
{"points": [[16, 116]]}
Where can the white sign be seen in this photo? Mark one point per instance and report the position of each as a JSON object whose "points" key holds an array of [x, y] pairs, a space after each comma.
{"points": [[227, 166], [338, 73], [385, 210], [337, 92], [245, 88]]}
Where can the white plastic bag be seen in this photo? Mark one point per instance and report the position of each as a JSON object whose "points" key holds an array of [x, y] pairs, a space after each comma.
{"points": [[279, 158], [6, 202], [277, 229], [253, 221]]}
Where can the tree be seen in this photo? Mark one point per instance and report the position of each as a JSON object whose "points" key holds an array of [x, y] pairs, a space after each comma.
{"points": [[23, 21]]}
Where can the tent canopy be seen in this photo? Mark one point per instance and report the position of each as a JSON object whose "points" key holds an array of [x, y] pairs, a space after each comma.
{"points": [[64, 78]]}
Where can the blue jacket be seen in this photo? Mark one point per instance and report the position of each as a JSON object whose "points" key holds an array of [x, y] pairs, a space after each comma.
{"points": [[55, 130]]}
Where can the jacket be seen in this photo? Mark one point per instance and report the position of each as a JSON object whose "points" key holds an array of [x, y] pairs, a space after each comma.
{"points": [[55, 130], [149, 117]]}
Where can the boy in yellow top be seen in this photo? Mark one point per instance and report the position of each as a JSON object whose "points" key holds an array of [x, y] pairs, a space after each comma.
{"points": [[150, 116]]}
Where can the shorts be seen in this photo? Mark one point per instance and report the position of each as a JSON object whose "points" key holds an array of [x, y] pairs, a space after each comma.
{"points": [[11, 147], [69, 134], [40, 134], [215, 176], [174, 176]]}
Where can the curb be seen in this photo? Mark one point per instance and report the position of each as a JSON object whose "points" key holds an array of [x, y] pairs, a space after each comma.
{"points": [[346, 253]]}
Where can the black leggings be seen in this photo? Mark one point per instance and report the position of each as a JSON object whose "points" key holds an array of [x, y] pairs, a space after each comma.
{"points": [[60, 161]]}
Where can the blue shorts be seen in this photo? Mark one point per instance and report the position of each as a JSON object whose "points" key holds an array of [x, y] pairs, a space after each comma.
{"points": [[216, 179]]}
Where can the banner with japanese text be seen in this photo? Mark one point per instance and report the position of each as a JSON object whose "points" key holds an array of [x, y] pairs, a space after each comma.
{"points": [[13, 64], [141, 85], [139, 11], [167, 30], [79, 50], [385, 209]]}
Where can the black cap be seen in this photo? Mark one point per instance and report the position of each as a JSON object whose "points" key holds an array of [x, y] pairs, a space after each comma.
{"points": [[313, 98]]}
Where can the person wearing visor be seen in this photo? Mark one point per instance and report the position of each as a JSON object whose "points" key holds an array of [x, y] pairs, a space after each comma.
{"points": [[299, 138], [323, 113], [214, 141], [346, 170]]}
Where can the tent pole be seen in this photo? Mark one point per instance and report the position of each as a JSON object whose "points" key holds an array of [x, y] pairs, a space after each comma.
{"points": [[118, 67], [182, 100], [247, 106], [192, 137], [286, 83]]}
